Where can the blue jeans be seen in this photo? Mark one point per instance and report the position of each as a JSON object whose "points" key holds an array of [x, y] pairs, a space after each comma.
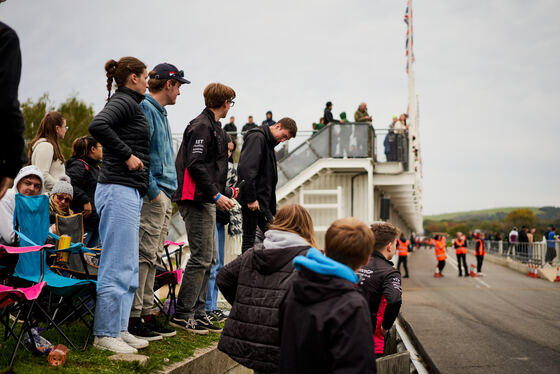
{"points": [[212, 296], [91, 239], [119, 208]]}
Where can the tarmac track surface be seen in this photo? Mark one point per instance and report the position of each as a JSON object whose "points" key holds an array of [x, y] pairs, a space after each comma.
{"points": [[503, 322]]}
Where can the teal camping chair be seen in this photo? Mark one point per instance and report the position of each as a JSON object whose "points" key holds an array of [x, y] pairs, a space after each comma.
{"points": [[31, 223]]}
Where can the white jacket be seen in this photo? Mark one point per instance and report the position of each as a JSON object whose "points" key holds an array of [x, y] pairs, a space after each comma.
{"points": [[8, 204], [42, 157]]}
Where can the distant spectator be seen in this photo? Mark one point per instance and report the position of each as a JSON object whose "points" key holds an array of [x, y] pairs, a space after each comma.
{"points": [[83, 170], [44, 150], [327, 114], [512, 238], [326, 324], [531, 237], [361, 114], [230, 128], [402, 120], [257, 166], [28, 182], [249, 125], [551, 246], [523, 240], [12, 145], [398, 125], [268, 121], [318, 126]]}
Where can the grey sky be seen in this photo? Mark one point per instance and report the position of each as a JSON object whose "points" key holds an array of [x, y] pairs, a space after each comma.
{"points": [[486, 74]]}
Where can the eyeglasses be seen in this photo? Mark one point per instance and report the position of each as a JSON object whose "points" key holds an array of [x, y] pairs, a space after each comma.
{"points": [[63, 199], [231, 102]]}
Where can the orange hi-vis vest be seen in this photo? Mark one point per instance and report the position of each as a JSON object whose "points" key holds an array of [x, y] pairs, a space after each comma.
{"points": [[402, 247], [432, 241], [481, 251], [460, 247], [440, 250]]}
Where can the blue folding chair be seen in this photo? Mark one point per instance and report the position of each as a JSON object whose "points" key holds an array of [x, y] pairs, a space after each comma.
{"points": [[31, 223]]}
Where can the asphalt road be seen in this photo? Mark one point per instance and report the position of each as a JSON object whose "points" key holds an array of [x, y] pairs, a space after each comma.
{"points": [[503, 322]]}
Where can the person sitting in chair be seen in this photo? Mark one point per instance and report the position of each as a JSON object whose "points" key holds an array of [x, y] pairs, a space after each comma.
{"points": [[59, 200], [29, 181]]}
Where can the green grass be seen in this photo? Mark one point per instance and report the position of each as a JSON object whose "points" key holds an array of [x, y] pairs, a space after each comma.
{"points": [[93, 360], [484, 212]]}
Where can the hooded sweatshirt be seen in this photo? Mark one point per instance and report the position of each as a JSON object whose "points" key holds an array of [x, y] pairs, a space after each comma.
{"points": [[325, 323], [254, 284], [8, 204]]}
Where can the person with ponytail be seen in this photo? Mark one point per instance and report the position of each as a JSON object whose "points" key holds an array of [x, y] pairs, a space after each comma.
{"points": [[83, 170], [44, 151], [124, 133]]}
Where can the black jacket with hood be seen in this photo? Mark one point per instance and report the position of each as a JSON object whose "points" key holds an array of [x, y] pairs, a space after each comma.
{"points": [[202, 162], [83, 173], [123, 130], [257, 167], [255, 284], [325, 322]]}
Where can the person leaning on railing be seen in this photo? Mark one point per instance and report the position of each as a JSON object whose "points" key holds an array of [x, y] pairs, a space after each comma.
{"points": [[361, 114]]}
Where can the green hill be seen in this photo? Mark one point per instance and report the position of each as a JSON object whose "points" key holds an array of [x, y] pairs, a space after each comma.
{"points": [[547, 213]]}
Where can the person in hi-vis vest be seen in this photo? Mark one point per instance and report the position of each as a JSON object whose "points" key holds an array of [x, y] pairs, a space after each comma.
{"points": [[402, 248], [460, 245]]}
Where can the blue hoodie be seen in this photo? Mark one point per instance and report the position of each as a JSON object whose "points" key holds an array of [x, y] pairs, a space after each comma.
{"points": [[163, 176], [321, 264]]}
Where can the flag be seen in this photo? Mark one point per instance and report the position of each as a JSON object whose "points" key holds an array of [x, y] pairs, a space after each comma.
{"points": [[409, 35]]}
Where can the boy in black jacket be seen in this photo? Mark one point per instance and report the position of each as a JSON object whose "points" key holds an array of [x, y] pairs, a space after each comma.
{"points": [[325, 322], [381, 283]]}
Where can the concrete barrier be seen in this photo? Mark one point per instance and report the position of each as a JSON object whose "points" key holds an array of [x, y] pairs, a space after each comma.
{"points": [[208, 361]]}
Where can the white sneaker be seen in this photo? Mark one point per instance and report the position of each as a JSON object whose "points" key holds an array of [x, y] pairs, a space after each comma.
{"points": [[133, 341], [113, 344]]}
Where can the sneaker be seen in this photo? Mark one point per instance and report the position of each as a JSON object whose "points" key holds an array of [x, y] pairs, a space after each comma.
{"points": [[133, 341], [207, 324], [141, 331], [216, 316], [113, 344], [156, 327], [188, 324]]}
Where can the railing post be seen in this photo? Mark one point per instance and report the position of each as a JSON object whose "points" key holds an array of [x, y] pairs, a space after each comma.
{"points": [[500, 247]]}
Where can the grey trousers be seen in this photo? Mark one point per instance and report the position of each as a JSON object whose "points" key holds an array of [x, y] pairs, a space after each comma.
{"points": [[200, 222], [154, 223]]}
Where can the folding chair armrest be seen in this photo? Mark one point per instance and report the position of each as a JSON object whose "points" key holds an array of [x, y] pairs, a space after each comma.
{"points": [[19, 250]]}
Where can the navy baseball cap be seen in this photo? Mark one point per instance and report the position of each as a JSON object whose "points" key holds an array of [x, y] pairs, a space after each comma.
{"points": [[168, 71]]}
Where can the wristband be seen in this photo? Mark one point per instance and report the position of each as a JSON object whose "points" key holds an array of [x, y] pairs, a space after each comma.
{"points": [[217, 197]]}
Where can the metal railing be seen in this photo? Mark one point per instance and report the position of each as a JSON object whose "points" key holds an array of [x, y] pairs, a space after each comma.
{"points": [[534, 253]]}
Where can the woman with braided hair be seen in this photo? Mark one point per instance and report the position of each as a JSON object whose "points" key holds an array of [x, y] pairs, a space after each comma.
{"points": [[124, 133]]}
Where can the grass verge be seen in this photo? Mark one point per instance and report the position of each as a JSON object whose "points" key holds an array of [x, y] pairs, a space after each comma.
{"points": [[161, 353]]}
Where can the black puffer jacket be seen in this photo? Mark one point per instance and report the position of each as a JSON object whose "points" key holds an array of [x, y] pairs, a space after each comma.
{"points": [[12, 154], [83, 173], [202, 162], [122, 130], [257, 166], [255, 284]]}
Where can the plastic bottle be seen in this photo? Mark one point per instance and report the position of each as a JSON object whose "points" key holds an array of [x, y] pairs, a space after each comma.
{"points": [[57, 357]]}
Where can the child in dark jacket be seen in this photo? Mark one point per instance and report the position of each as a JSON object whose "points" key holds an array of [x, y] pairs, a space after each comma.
{"points": [[325, 322]]}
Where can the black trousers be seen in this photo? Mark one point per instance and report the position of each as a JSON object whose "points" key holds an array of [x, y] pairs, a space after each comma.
{"points": [[251, 219], [402, 260], [462, 258], [441, 265], [479, 260]]}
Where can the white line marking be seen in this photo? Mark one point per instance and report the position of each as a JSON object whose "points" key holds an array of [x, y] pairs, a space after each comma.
{"points": [[453, 263]]}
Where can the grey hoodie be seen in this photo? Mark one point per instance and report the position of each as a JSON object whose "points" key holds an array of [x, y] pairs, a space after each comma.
{"points": [[282, 239], [8, 203]]}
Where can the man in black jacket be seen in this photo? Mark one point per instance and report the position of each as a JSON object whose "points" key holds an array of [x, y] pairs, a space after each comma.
{"points": [[12, 154], [381, 283], [257, 167], [201, 166], [325, 322]]}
